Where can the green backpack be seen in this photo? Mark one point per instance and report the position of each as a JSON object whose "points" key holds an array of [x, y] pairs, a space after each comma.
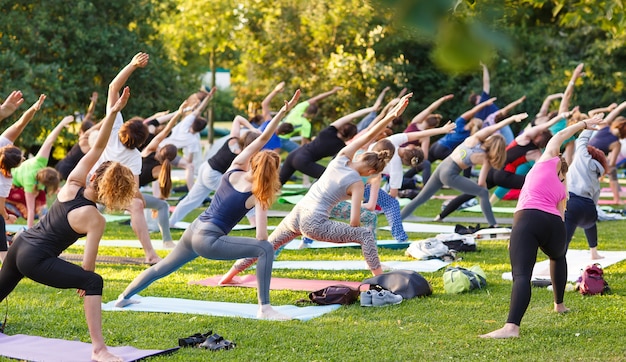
{"points": [[459, 280]]}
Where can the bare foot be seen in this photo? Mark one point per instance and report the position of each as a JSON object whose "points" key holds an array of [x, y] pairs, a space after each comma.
{"points": [[509, 330], [561, 308], [169, 244], [105, 356], [267, 312], [122, 302]]}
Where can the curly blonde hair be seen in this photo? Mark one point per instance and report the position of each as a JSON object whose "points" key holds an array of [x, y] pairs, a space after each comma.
{"points": [[114, 185], [265, 181]]}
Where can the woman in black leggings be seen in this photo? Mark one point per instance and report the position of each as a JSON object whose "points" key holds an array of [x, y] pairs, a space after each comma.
{"points": [[538, 224], [35, 252]]}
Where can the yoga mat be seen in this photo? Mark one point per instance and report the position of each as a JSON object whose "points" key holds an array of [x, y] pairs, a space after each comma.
{"points": [[157, 245], [411, 227], [290, 199], [277, 213], [576, 261], [462, 220], [183, 225], [390, 244], [111, 218], [105, 259], [431, 265], [219, 309], [502, 210], [33, 348], [249, 281]]}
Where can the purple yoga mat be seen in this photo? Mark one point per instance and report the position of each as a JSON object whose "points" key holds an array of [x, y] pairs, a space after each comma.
{"points": [[33, 348], [249, 280]]}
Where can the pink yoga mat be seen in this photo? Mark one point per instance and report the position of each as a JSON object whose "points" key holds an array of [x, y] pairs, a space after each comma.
{"points": [[276, 283], [33, 348]]}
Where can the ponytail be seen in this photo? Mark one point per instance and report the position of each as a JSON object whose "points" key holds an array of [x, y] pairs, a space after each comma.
{"points": [[265, 181], [165, 179]]}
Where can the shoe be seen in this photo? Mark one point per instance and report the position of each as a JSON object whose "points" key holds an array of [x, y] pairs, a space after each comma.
{"points": [[366, 298], [216, 343], [305, 243], [194, 340], [385, 297]]}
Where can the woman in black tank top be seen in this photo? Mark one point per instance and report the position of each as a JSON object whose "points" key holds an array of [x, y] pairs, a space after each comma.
{"points": [[34, 253]]}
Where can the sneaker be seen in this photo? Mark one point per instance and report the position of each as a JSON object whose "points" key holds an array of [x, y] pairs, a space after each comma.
{"points": [[366, 298], [385, 297]]}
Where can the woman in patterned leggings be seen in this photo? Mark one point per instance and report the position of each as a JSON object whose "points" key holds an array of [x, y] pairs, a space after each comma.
{"points": [[538, 224], [342, 180]]}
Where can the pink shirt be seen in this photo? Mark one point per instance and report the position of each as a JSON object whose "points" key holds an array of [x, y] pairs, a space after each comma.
{"points": [[542, 189]]}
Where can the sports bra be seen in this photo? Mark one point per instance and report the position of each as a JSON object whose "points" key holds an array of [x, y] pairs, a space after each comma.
{"points": [[465, 153]]}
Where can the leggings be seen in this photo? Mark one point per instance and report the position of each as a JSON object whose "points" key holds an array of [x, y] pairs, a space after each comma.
{"points": [[424, 167], [209, 241], [368, 218], [163, 209], [391, 208], [300, 160], [3, 235], [448, 173], [532, 230], [494, 178], [26, 260], [581, 211], [317, 226]]}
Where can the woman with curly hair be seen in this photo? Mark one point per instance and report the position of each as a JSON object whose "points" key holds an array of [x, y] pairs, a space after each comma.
{"points": [[250, 181], [35, 252]]}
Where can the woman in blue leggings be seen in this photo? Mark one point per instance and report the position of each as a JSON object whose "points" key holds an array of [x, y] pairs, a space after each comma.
{"points": [[538, 224]]}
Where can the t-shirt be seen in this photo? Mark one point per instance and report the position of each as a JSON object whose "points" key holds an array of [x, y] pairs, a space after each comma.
{"points": [[394, 166], [486, 111], [301, 125], [542, 188], [25, 175], [5, 182], [116, 151], [183, 138], [451, 140], [274, 141]]}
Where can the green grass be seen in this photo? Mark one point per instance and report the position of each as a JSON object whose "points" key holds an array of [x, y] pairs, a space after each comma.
{"points": [[436, 328]]}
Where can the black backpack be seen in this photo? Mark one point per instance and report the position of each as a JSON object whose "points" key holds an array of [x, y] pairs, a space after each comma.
{"points": [[334, 294], [407, 283]]}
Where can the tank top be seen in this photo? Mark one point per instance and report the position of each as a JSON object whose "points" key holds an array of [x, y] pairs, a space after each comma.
{"points": [[53, 232], [603, 139], [148, 163], [223, 157], [228, 206], [516, 155], [465, 153], [67, 164]]}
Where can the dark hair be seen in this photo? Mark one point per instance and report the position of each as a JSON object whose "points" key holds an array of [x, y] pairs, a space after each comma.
{"points": [[256, 120], [541, 140], [284, 128], [133, 133], [50, 178], [247, 139], [10, 157], [347, 131], [412, 156], [473, 98], [85, 125], [198, 124], [311, 110]]}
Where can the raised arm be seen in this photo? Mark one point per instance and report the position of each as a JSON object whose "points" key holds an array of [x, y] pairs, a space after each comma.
{"points": [[243, 158], [468, 115], [15, 130], [154, 143], [381, 98], [534, 131], [8, 107], [554, 145], [140, 60], [92, 107], [486, 80], [509, 107], [349, 117], [615, 112], [482, 134], [607, 109], [359, 142], [80, 172], [545, 106], [569, 90], [205, 101], [446, 128], [321, 96], [420, 117], [265, 105], [46, 148], [238, 122]]}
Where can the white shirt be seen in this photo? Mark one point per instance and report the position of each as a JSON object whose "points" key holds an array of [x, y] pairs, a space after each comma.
{"points": [[116, 151], [394, 166], [182, 138], [5, 182]]}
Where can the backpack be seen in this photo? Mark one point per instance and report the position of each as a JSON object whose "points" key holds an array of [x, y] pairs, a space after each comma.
{"points": [[406, 283], [426, 249], [459, 280], [334, 294], [592, 280]]}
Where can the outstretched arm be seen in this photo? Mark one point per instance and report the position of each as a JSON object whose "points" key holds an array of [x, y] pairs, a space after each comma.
{"points": [[349, 117], [238, 122], [198, 110], [543, 111], [10, 104], [80, 172], [140, 60], [265, 105], [534, 131], [509, 107], [321, 96], [92, 107], [46, 148], [606, 109], [420, 117], [446, 128], [615, 112], [15, 130], [554, 145], [243, 158], [486, 80], [154, 143], [482, 134], [468, 115], [569, 90], [356, 144]]}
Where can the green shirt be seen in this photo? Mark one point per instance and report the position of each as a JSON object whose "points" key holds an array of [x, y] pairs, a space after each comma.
{"points": [[300, 123], [25, 175]]}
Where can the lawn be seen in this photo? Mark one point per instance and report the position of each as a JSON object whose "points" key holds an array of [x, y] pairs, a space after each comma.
{"points": [[436, 328]]}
